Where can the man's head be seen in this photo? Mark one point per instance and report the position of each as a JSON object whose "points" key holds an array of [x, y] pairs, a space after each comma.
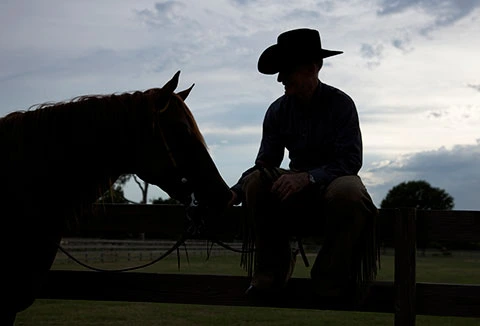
{"points": [[293, 48], [300, 80]]}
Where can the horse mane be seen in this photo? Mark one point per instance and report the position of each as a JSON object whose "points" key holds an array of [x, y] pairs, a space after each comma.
{"points": [[87, 106], [94, 107]]}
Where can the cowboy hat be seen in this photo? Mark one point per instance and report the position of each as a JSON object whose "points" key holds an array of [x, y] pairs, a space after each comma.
{"points": [[293, 47]]}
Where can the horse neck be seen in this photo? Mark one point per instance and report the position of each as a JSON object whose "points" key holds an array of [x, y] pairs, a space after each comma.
{"points": [[88, 137]]}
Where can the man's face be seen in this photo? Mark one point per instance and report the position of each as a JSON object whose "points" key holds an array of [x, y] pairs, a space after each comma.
{"points": [[297, 79]]}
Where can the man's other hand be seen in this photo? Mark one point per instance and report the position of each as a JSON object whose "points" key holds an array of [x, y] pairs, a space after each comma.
{"points": [[289, 184]]}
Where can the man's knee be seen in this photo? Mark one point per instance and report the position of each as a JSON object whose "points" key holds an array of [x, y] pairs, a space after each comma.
{"points": [[253, 181], [258, 184], [347, 197], [345, 190]]}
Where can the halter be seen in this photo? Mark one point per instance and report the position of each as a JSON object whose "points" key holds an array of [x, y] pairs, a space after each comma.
{"points": [[193, 212], [165, 143]]}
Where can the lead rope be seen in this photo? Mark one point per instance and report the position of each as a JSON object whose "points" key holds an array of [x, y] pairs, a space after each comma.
{"points": [[196, 228], [177, 244], [183, 237]]}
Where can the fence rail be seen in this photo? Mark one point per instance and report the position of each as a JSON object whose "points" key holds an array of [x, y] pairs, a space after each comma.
{"points": [[404, 297]]}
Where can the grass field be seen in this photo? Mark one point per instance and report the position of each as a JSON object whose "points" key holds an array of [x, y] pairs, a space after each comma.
{"points": [[450, 269]]}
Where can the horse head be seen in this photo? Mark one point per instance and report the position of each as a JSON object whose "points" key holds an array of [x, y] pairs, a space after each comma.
{"points": [[177, 158]]}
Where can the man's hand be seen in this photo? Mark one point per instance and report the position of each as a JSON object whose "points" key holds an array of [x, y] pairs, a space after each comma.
{"points": [[289, 184]]}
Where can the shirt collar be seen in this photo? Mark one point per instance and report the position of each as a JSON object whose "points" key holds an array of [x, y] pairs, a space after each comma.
{"points": [[315, 101]]}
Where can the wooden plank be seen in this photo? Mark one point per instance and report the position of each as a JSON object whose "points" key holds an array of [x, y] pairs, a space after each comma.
{"points": [[199, 289], [461, 300], [168, 220], [432, 299], [451, 225], [405, 260]]}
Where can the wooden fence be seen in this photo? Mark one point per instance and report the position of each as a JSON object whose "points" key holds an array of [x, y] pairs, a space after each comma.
{"points": [[404, 297]]}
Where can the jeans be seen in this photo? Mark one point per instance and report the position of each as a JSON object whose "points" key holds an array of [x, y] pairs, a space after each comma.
{"points": [[343, 213]]}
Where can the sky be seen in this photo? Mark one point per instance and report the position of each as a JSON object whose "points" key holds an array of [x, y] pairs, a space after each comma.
{"points": [[411, 66]]}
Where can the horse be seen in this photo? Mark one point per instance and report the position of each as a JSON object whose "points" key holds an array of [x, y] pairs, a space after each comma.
{"points": [[59, 158]]}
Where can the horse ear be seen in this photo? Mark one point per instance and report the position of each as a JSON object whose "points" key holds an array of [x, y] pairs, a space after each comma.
{"points": [[172, 84], [184, 94]]}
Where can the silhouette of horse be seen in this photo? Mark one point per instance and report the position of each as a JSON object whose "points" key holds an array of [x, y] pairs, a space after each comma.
{"points": [[57, 159]]}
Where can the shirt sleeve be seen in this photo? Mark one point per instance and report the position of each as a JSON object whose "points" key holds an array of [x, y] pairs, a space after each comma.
{"points": [[272, 148]]}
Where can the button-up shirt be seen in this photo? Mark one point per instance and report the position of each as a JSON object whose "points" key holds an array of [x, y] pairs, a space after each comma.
{"points": [[322, 138]]}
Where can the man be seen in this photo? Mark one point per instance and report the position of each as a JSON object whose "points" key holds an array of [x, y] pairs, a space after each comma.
{"points": [[318, 125]]}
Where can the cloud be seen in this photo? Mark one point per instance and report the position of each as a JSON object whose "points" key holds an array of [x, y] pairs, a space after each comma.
{"points": [[373, 53], [444, 13], [302, 14], [474, 86], [243, 2], [402, 43], [165, 13], [455, 170]]}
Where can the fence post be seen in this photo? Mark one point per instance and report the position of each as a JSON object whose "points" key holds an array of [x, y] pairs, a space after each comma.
{"points": [[405, 266]]}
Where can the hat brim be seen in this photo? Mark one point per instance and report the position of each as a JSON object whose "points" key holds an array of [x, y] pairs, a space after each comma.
{"points": [[272, 60]]}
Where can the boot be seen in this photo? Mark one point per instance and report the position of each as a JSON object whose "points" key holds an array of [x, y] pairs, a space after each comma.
{"points": [[272, 280]]}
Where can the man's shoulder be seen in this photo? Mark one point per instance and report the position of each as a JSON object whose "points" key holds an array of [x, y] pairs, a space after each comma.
{"points": [[329, 89], [334, 93], [279, 102]]}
